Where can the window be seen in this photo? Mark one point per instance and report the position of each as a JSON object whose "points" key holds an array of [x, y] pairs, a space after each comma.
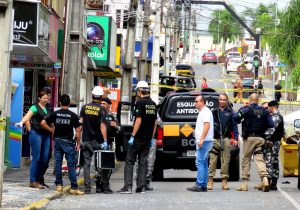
{"points": [[118, 18], [125, 19]]}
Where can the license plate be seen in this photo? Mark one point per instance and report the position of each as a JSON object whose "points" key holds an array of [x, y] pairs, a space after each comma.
{"points": [[191, 153]]}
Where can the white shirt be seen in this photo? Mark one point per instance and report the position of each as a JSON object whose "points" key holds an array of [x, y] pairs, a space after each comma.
{"points": [[205, 115]]}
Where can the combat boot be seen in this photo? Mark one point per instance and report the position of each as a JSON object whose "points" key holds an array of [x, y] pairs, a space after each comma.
{"points": [[225, 184], [273, 185], [148, 186], [99, 187], [210, 183], [259, 186], [243, 187], [265, 183]]}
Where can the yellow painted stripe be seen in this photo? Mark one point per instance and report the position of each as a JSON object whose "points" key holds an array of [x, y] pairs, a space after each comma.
{"points": [[37, 205], [171, 130]]}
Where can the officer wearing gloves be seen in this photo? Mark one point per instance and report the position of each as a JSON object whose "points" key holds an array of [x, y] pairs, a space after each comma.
{"points": [[256, 120], [224, 124], [141, 139], [94, 137]]}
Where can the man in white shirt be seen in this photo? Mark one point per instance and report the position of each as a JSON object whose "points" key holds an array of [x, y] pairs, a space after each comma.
{"points": [[204, 135]]}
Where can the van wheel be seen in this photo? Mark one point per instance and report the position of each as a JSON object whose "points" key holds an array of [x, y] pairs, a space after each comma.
{"points": [[234, 169], [158, 173]]}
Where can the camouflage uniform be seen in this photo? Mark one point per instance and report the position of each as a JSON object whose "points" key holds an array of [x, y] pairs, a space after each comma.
{"points": [[272, 146]]}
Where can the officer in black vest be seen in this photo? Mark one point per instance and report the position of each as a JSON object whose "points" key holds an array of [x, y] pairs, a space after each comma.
{"points": [[272, 146], [256, 120], [94, 134]]}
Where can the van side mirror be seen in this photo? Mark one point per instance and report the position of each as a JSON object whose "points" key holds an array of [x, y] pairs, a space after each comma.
{"points": [[297, 125]]}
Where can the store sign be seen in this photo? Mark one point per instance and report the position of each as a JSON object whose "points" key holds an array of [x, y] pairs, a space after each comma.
{"points": [[98, 35], [25, 23]]}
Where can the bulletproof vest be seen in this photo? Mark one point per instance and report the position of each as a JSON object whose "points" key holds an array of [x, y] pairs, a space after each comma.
{"points": [[111, 131], [255, 122], [279, 131], [36, 120], [226, 122]]}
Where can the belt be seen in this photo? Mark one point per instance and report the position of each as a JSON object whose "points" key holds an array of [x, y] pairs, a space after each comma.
{"points": [[254, 135], [65, 140]]}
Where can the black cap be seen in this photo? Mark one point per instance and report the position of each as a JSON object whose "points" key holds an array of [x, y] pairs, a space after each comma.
{"points": [[107, 100], [273, 103]]}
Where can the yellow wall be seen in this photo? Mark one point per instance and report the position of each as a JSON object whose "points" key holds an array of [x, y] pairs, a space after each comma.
{"points": [[58, 6]]}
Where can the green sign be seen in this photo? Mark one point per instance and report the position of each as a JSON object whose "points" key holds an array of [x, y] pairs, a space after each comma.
{"points": [[98, 35]]}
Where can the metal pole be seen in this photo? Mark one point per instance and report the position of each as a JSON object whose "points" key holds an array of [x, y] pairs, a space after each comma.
{"points": [[167, 45], [129, 54], [145, 36], [73, 50], [5, 43], [155, 57]]}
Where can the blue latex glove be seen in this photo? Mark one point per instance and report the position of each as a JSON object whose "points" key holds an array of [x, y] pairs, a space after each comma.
{"points": [[104, 145], [153, 141], [131, 140]]}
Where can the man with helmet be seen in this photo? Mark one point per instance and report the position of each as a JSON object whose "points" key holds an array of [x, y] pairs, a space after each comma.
{"points": [[141, 139], [94, 136]]}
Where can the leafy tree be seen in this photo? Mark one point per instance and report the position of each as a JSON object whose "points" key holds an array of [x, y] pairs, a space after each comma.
{"points": [[263, 17], [224, 27], [286, 42]]}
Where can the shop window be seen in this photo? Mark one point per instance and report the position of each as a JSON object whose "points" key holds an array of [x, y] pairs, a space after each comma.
{"points": [[125, 19]]}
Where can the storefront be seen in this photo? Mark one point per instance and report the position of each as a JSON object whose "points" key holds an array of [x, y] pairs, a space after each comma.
{"points": [[35, 59]]}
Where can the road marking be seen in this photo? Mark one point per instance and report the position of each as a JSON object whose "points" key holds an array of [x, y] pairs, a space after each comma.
{"points": [[225, 87], [289, 198]]}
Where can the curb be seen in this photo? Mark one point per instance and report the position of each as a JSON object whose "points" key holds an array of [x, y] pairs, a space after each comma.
{"points": [[44, 201]]}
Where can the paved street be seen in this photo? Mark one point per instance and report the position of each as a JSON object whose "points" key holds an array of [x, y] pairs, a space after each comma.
{"points": [[172, 194]]}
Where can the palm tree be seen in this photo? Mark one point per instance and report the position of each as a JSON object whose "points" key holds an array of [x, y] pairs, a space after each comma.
{"points": [[224, 28]]}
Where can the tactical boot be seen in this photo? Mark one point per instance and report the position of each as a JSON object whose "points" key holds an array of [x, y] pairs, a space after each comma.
{"points": [[273, 185], [243, 187], [266, 186], [148, 187], [210, 183], [259, 186], [99, 188], [106, 189], [225, 184]]}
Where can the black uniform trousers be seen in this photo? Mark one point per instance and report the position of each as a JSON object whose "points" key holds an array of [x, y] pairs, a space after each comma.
{"points": [[88, 149], [134, 152]]}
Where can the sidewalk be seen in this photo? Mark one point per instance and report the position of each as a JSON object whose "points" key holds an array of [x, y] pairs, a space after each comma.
{"points": [[16, 191]]}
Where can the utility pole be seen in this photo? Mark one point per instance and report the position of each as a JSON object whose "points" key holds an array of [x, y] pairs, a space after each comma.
{"points": [[167, 42], [129, 54], [178, 8], [5, 45], [145, 35], [155, 56], [72, 57]]}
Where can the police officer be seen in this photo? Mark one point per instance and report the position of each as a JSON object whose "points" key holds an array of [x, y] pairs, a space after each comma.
{"points": [[64, 121], [224, 124], [272, 146], [94, 136], [113, 129], [141, 139], [256, 120]]}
